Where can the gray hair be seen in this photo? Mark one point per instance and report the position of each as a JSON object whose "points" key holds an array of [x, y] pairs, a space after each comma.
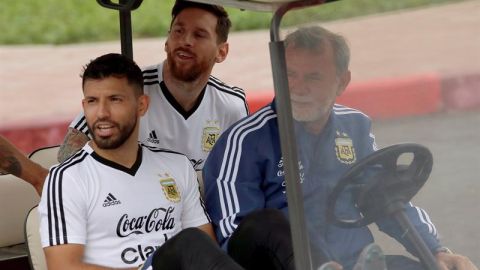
{"points": [[314, 38]]}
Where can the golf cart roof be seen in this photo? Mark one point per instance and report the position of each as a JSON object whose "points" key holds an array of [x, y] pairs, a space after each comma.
{"points": [[258, 5], [262, 5]]}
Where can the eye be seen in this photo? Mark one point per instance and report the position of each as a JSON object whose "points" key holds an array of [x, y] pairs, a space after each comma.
{"points": [[90, 101], [313, 78], [177, 30], [116, 99], [201, 34]]}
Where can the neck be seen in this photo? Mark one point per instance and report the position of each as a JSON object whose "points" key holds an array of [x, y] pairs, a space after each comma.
{"points": [[316, 127], [185, 93], [125, 155]]}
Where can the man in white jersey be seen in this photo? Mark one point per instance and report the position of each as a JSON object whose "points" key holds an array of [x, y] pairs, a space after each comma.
{"points": [[116, 202], [190, 108]]}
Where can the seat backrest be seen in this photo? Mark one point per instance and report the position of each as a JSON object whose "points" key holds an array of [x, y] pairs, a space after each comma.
{"points": [[16, 198], [46, 156], [34, 246]]}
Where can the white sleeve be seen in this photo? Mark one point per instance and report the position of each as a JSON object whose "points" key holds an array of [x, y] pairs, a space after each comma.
{"points": [[62, 209], [80, 124], [194, 213]]}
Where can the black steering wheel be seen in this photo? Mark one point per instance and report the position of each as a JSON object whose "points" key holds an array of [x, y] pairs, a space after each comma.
{"points": [[382, 183]]}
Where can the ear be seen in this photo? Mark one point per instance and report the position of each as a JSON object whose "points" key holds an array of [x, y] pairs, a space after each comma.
{"points": [[222, 52], [165, 48], [344, 81], [143, 103], [83, 104]]}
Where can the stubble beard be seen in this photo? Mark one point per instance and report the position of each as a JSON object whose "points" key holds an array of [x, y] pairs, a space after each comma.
{"points": [[113, 142], [311, 114], [184, 73]]}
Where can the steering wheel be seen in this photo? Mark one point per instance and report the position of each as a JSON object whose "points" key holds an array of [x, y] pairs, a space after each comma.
{"points": [[382, 183]]}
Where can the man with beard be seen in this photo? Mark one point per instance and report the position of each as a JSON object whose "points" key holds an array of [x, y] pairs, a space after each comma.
{"points": [[245, 172], [116, 202], [190, 108]]}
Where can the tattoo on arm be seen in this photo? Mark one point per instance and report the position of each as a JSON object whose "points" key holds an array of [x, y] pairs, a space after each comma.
{"points": [[74, 141], [9, 163]]}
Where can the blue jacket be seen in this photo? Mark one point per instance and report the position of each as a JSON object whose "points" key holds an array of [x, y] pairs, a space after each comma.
{"points": [[244, 172]]}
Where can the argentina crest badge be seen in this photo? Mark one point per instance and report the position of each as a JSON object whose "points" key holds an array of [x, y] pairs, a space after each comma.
{"points": [[344, 148], [211, 133], [169, 187]]}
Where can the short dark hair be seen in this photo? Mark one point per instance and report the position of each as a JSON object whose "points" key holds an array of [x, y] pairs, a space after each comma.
{"points": [[116, 65], [223, 22]]}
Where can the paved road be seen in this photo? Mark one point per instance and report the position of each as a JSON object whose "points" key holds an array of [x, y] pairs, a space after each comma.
{"points": [[452, 193]]}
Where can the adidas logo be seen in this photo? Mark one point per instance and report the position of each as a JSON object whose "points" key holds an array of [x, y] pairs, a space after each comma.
{"points": [[152, 137], [110, 200]]}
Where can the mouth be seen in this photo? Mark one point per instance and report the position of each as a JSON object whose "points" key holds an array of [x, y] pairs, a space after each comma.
{"points": [[184, 54], [300, 101], [104, 129]]}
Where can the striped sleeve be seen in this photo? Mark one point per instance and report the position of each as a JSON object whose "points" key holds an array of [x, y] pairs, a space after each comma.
{"points": [[80, 124], [61, 217], [422, 223], [236, 92], [231, 191]]}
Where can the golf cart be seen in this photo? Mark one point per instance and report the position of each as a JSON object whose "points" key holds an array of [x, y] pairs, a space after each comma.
{"points": [[417, 170]]}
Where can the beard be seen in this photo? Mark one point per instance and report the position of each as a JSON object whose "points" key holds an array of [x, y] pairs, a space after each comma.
{"points": [[116, 140], [187, 73], [306, 114], [306, 109], [309, 112]]}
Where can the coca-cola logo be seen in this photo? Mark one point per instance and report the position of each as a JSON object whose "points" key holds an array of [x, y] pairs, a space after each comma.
{"points": [[158, 219]]}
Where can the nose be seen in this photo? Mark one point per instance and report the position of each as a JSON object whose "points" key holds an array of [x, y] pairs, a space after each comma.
{"points": [[187, 40], [103, 110], [296, 86]]}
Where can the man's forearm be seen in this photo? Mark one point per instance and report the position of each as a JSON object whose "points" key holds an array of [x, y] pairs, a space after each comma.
{"points": [[14, 162], [9, 163], [74, 141]]}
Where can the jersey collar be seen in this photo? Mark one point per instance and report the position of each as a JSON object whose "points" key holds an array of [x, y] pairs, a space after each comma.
{"points": [[175, 103], [132, 171]]}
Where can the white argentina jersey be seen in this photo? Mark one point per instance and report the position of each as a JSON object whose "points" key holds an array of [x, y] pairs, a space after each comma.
{"points": [[120, 214], [192, 133]]}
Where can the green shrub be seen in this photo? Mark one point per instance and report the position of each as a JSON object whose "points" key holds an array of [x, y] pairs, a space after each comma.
{"points": [[72, 21]]}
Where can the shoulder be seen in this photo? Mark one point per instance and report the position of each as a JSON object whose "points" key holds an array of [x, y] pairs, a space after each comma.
{"points": [[344, 112], [158, 152], [151, 74], [226, 90], [257, 124], [70, 171], [75, 161]]}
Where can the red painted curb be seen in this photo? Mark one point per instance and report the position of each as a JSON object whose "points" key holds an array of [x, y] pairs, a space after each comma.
{"points": [[461, 92], [392, 98], [381, 99], [258, 99], [30, 137]]}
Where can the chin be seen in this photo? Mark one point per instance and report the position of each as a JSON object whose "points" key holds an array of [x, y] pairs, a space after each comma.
{"points": [[307, 116]]}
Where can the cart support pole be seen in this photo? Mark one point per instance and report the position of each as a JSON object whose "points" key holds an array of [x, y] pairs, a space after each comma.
{"points": [[126, 31], [424, 254], [300, 238]]}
